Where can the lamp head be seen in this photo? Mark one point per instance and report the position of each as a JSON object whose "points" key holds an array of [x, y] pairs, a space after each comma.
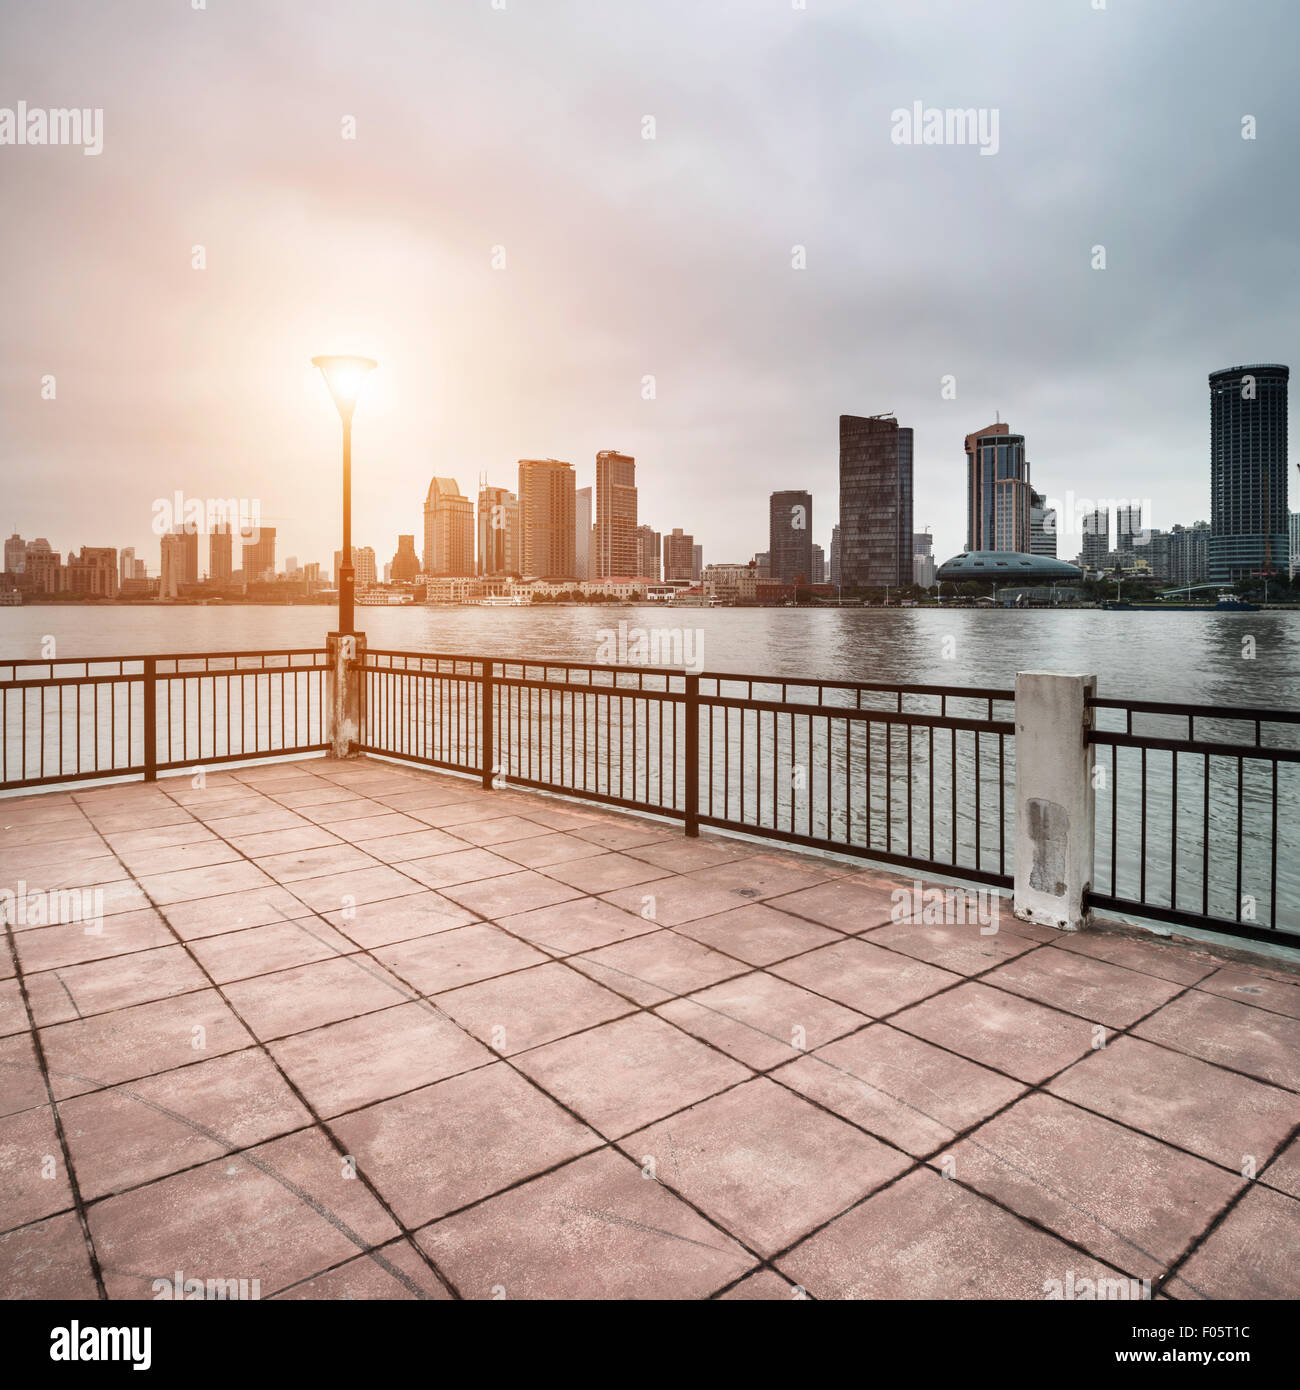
{"points": [[345, 377]]}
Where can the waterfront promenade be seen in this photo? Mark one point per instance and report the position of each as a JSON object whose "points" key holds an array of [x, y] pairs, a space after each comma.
{"points": [[348, 1029]]}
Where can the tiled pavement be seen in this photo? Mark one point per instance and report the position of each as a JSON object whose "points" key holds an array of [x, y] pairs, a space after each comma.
{"points": [[360, 1031]]}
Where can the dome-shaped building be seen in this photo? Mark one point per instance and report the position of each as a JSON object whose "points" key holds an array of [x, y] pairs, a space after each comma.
{"points": [[1006, 567]]}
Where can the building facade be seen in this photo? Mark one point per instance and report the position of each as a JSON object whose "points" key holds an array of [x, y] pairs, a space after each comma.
{"points": [[498, 531], [448, 529], [1249, 527], [614, 543], [679, 555], [1095, 546], [875, 529], [789, 530], [998, 495], [220, 551], [648, 563], [259, 556], [405, 568], [1042, 526], [547, 519]]}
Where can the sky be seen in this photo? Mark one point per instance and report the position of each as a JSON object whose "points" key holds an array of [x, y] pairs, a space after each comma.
{"points": [[501, 235]]}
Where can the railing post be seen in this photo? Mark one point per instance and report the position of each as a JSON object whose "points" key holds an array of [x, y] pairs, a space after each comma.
{"points": [[344, 678], [692, 756], [488, 739], [1055, 801], [150, 718]]}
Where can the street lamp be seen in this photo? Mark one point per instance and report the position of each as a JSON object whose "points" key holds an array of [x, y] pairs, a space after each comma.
{"points": [[345, 377]]}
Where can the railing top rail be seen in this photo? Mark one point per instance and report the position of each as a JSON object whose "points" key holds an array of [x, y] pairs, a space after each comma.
{"points": [[1250, 713], [156, 656], [971, 692]]}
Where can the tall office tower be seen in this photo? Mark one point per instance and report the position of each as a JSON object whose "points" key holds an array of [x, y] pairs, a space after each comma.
{"points": [[93, 572], [1293, 533], [1248, 482], [697, 563], [1188, 554], [546, 519], [498, 531], [997, 491], [679, 555], [192, 556], [875, 501], [834, 566], [220, 543], [1042, 526], [1128, 528], [1096, 538], [259, 557], [15, 554], [647, 554], [584, 542], [789, 531], [173, 565], [818, 575], [126, 565], [448, 530], [406, 563], [615, 539]]}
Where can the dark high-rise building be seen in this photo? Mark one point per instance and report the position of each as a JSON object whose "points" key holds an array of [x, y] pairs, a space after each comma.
{"points": [[875, 501], [790, 536], [997, 490], [219, 554], [833, 567], [1248, 482], [406, 563]]}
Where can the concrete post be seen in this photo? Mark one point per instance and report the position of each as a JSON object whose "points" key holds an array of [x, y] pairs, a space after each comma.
{"points": [[1055, 804], [343, 691]]}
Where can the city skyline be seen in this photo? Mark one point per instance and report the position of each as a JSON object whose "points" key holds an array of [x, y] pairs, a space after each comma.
{"points": [[473, 373]]}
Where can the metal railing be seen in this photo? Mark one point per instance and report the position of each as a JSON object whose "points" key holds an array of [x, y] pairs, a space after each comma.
{"points": [[1198, 815], [73, 719]]}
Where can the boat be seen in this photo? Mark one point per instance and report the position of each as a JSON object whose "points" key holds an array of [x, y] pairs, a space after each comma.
{"points": [[1227, 603]]}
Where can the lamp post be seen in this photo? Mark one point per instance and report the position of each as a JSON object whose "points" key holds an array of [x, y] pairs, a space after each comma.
{"points": [[345, 377]]}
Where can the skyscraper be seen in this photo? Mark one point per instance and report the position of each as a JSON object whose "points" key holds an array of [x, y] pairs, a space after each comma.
{"points": [[697, 563], [219, 553], [172, 572], [259, 557], [1095, 527], [833, 567], [1248, 481], [406, 563], [647, 554], [875, 501], [448, 530], [679, 555], [546, 518], [818, 575], [615, 540], [584, 543], [789, 529], [191, 550], [498, 531], [1128, 528], [125, 565], [15, 554], [998, 495], [1042, 526]]}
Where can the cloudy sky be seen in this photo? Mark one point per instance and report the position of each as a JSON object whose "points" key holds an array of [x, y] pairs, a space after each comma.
{"points": [[521, 125]]}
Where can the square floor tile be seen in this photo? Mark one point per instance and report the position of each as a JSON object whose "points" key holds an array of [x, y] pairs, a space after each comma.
{"points": [[1001, 1031], [48, 1260], [654, 968], [764, 1164], [671, 901], [278, 1213], [902, 1089], [492, 1130], [1270, 992], [602, 873], [73, 943], [393, 1271], [847, 904], [231, 911], [928, 1238], [594, 1229], [541, 851], [461, 956], [263, 950], [31, 1188], [1229, 1034], [757, 934], [381, 923], [1224, 1117], [141, 1130], [1093, 989], [865, 977], [186, 884], [627, 1073], [515, 1012], [510, 893], [1251, 1255], [760, 1020], [308, 996], [24, 1081], [1126, 1198], [77, 991], [584, 924], [961, 947], [337, 892], [1142, 952], [347, 1065]]}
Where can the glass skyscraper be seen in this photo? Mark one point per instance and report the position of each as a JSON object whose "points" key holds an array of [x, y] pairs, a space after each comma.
{"points": [[1248, 482], [875, 547], [999, 497]]}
